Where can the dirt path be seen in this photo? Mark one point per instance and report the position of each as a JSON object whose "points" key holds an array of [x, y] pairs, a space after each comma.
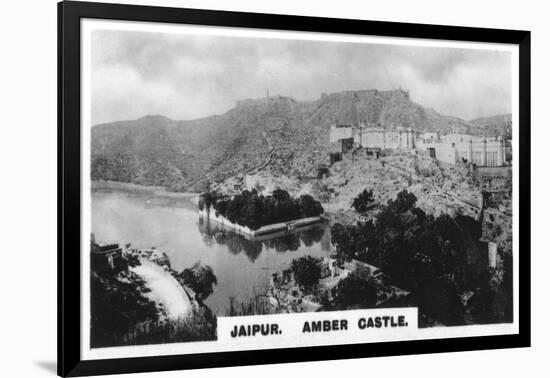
{"points": [[165, 289]]}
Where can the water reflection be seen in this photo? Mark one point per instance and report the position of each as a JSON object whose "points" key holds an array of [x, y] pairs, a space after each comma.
{"points": [[281, 242], [243, 266]]}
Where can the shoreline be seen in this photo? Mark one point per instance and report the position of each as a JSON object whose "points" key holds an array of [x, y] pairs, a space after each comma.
{"points": [[264, 230], [164, 289], [159, 191]]}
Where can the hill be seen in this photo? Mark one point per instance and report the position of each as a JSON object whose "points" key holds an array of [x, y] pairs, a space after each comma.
{"points": [[288, 136], [495, 125]]}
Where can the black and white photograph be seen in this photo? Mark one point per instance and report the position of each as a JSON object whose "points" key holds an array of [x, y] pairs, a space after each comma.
{"points": [[238, 173], [274, 189]]}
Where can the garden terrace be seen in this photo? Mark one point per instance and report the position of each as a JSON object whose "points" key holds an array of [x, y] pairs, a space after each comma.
{"points": [[254, 210]]}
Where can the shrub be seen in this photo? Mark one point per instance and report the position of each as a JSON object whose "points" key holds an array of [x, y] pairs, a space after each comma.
{"points": [[355, 291], [199, 326], [200, 278], [307, 271], [362, 202]]}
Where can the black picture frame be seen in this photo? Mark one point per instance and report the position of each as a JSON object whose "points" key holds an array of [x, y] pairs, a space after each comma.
{"points": [[70, 362]]}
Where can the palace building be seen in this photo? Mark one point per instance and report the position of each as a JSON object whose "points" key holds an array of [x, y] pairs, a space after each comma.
{"points": [[450, 148], [464, 148], [374, 137]]}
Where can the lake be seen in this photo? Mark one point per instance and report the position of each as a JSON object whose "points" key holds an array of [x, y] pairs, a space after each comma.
{"points": [[243, 267]]}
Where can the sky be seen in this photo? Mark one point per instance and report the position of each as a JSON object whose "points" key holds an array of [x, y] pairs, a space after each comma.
{"points": [[188, 76]]}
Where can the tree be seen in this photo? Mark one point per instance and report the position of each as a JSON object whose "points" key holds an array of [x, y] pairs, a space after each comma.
{"points": [[116, 307], [309, 207], [404, 202], [436, 258], [354, 291], [254, 210], [344, 239], [439, 300], [207, 199], [234, 207], [221, 207], [362, 202], [307, 271], [200, 278], [280, 195]]}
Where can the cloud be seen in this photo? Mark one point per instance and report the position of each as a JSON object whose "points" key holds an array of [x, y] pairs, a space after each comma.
{"points": [[191, 76]]}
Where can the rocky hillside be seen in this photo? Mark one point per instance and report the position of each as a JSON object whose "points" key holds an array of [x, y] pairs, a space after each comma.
{"points": [[439, 190], [289, 136], [496, 125]]}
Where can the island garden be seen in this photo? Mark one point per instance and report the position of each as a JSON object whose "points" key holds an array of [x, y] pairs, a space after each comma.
{"points": [[254, 210]]}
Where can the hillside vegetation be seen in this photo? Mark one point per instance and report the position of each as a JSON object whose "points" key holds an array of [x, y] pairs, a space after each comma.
{"points": [[438, 259], [288, 136]]}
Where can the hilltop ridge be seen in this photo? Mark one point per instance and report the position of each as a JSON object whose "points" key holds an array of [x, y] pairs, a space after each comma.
{"points": [[276, 132]]}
